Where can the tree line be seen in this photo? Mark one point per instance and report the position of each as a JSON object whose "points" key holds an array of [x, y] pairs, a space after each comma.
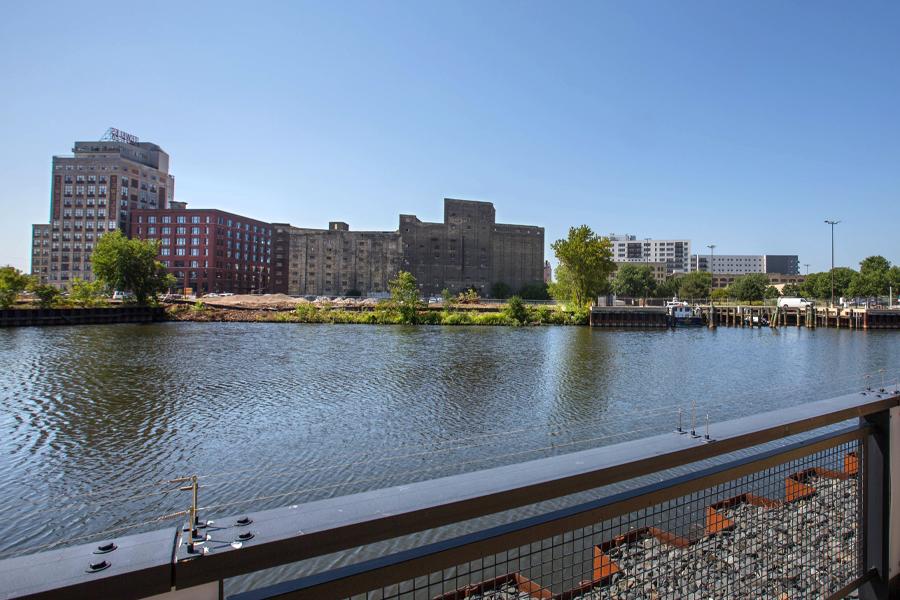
{"points": [[587, 270]]}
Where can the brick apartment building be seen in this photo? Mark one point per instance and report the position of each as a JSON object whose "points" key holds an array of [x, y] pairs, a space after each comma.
{"points": [[209, 250]]}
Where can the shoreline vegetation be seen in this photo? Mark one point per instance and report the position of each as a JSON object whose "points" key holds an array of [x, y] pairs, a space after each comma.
{"points": [[509, 315]]}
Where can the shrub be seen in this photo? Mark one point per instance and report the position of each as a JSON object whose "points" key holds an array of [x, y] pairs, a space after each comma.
{"points": [[580, 316], [307, 313], [47, 295], [87, 293], [470, 296], [457, 318], [493, 319], [516, 310], [430, 317]]}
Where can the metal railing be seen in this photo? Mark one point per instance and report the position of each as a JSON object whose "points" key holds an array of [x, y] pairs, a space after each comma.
{"points": [[776, 516]]}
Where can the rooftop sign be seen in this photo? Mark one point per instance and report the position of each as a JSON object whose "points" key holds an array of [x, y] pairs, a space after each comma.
{"points": [[117, 135]]}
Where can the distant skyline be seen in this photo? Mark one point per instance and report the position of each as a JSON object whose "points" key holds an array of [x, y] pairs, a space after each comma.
{"points": [[744, 125]]}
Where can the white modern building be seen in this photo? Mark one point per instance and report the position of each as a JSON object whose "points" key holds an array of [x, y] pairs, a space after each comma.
{"points": [[676, 254], [744, 264]]}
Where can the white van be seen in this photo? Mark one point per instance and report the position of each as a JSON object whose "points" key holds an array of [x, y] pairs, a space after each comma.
{"points": [[801, 303]]}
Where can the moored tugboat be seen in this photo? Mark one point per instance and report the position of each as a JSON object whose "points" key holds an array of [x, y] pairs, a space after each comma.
{"points": [[680, 314]]}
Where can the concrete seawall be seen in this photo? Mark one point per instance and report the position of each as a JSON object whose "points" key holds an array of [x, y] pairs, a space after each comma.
{"points": [[25, 317]]}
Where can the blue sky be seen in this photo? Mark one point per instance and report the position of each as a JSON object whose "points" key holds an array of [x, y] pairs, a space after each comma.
{"points": [[743, 124]]}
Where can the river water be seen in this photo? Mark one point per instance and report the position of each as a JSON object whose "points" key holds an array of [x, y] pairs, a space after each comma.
{"points": [[93, 417]]}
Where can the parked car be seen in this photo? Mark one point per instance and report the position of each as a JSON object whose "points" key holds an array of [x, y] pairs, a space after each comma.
{"points": [[225, 294], [788, 302]]}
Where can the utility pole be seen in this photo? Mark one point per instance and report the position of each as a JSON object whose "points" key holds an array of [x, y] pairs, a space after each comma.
{"points": [[712, 310], [711, 248], [832, 223], [807, 267]]}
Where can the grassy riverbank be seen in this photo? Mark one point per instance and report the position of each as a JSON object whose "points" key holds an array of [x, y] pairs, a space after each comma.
{"points": [[308, 313]]}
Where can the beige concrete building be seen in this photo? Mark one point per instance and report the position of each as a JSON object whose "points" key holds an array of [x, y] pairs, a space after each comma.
{"points": [[468, 249], [95, 190], [333, 261]]}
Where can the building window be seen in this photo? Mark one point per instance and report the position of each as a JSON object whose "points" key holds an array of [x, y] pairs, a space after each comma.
{"points": [[166, 219], [179, 241], [166, 230], [181, 219], [195, 219], [179, 251], [165, 252]]}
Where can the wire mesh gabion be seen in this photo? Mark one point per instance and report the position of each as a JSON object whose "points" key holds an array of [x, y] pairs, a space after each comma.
{"points": [[787, 532]]}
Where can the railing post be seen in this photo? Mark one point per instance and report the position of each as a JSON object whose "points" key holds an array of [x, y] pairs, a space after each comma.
{"points": [[881, 511]]}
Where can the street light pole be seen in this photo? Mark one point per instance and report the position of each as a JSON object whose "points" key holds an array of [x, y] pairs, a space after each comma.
{"points": [[832, 223]]}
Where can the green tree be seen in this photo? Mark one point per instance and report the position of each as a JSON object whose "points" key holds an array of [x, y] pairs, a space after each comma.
{"points": [[792, 290], [47, 295], [809, 287], [719, 295], [668, 288], [561, 289], [873, 278], [695, 285], [894, 279], [130, 265], [516, 310], [405, 296], [750, 287], [633, 281], [87, 293], [843, 277], [12, 283], [534, 291], [771, 292], [500, 290], [587, 259]]}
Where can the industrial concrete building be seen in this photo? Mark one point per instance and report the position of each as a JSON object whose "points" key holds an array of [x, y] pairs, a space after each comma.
{"points": [[469, 249], [94, 190], [676, 254], [333, 261]]}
